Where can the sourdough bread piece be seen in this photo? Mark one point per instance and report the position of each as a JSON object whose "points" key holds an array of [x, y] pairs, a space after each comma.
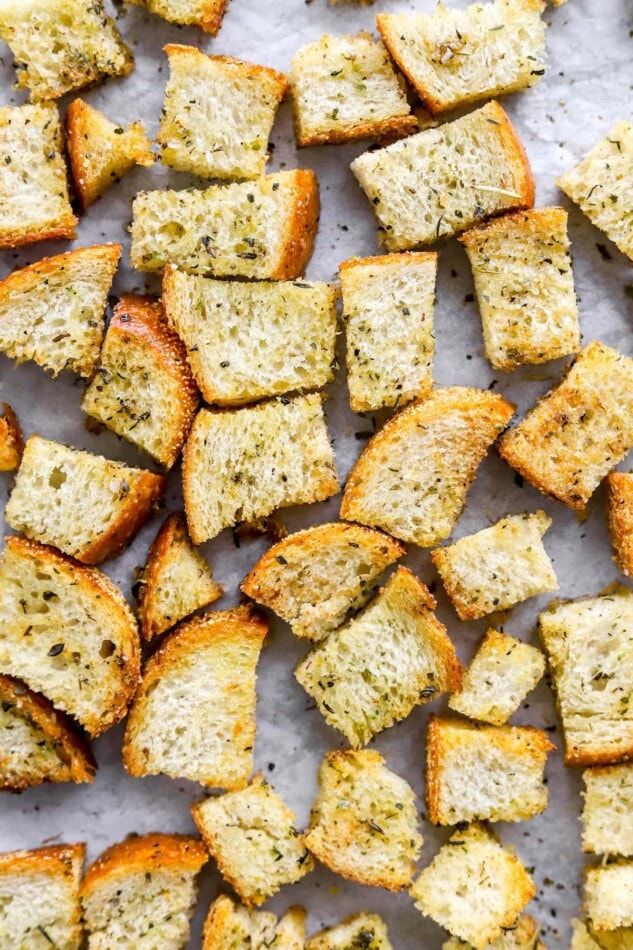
{"points": [[524, 935], [53, 311], [194, 713], [414, 474], [455, 57], [315, 578], [589, 643], [345, 88], [607, 818], [11, 441], [263, 229], [371, 672], [619, 511], [608, 895], [218, 114], [246, 341], [239, 465], [501, 674], [143, 388], [584, 937], [364, 823], [142, 892], [39, 898], [498, 567], [34, 202], [207, 14], [388, 306], [474, 887], [360, 930], [252, 837], [602, 186], [37, 742], [87, 506], [576, 433], [442, 181], [522, 270], [230, 926]]}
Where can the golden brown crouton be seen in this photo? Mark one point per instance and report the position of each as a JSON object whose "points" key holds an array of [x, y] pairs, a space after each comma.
{"points": [[230, 926], [11, 441], [619, 508], [207, 14]]}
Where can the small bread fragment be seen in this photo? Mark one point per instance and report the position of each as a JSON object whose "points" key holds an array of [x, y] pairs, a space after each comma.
{"points": [[11, 441], [207, 14], [608, 895], [388, 305], [619, 510], [264, 229], [498, 567], [501, 674], [414, 474], [345, 88], [143, 388], [371, 672], [143, 887], [601, 186], [194, 713], [584, 937], [522, 270], [576, 433], [360, 930], [524, 935], [607, 818], [474, 887], [229, 926], [246, 341], [364, 823], [441, 181], [87, 506]]}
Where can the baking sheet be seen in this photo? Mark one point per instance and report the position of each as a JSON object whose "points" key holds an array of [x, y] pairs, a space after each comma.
{"points": [[584, 92]]}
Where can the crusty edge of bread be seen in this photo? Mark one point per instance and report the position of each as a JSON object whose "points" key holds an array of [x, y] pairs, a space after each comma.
{"points": [[11, 440]]}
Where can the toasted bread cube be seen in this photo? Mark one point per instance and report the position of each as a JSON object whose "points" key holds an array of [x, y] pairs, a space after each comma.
{"points": [[359, 930], [609, 895], [364, 823], [371, 672], [473, 887], [246, 341], [207, 14], [39, 897], [589, 643], [218, 114], [229, 926], [194, 713], [498, 567], [143, 885], [576, 433], [442, 181], [607, 816], [11, 441], [263, 229], [584, 937], [454, 57], [619, 508], [414, 474], [34, 202], [524, 935], [313, 579], [501, 674], [388, 305], [143, 388], [601, 186], [87, 506], [523, 277]]}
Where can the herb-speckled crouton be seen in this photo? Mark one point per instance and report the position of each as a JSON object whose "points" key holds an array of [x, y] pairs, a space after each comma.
{"points": [[207, 14], [229, 926], [368, 931], [607, 816], [608, 895], [524, 935]]}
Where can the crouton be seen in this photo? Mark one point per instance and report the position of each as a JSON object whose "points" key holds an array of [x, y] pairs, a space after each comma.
{"points": [[34, 202], [194, 713], [524, 935], [359, 930], [39, 897], [314, 579], [246, 341], [53, 311], [473, 887], [239, 465], [388, 305], [143, 388], [522, 270], [589, 643], [607, 817], [584, 937], [101, 152], [229, 926], [66, 630], [455, 57], [619, 510], [442, 181], [143, 885], [11, 441], [87, 506], [207, 14], [608, 896], [263, 229], [501, 674], [344, 88], [364, 823], [576, 433], [176, 581], [414, 474], [498, 567], [218, 114], [37, 743], [601, 186], [371, 672]]}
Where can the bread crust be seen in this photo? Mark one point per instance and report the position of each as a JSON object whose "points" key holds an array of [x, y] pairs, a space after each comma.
{"points": [[302, 229], [511, 144], [619, 511], [62, 859], [11, 440]]}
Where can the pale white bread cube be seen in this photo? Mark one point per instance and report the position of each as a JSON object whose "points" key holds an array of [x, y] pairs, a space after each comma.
{"points": [[584, 937], [619, 511], [524, 935], [360, 930], [11, 440], [607, 817], [207, 14], [608, 895], [230, 926]]}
